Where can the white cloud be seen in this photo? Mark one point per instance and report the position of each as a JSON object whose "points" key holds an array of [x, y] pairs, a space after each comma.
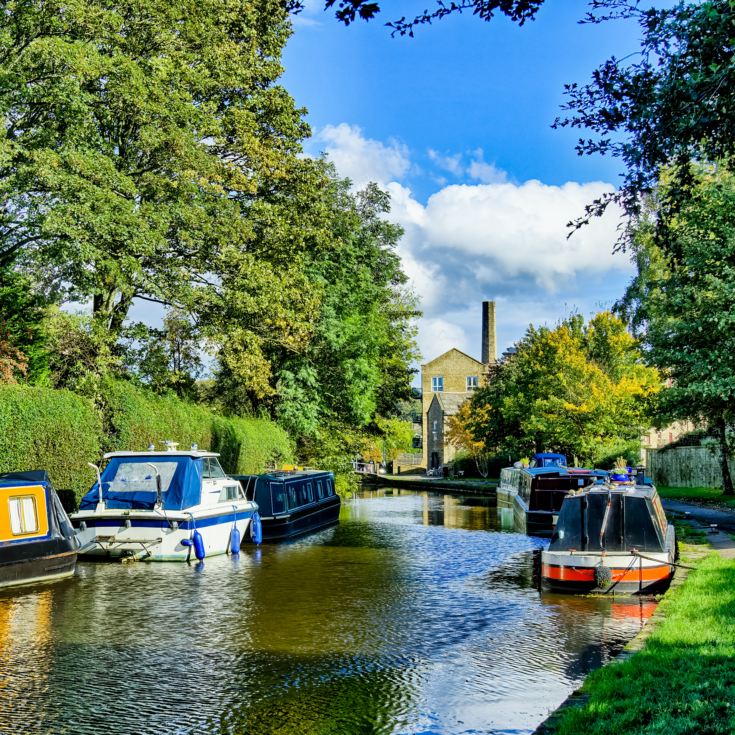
{"points": [[452, 164], [492, 240], [363, 159], [514, 230], [484, 172]]}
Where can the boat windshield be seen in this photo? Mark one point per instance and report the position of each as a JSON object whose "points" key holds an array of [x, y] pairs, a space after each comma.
{"points": [[133, 477]]}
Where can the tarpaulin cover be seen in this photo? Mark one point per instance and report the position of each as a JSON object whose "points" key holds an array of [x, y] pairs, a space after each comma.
{"points": [[129, 483]]}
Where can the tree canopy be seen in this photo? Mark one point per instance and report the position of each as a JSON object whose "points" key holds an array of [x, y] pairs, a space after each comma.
{"points": [[581, 389], [148, 152], [683, 307]]}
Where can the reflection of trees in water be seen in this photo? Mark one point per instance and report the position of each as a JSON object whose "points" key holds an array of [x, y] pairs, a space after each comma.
{"points": [[25, 655]]}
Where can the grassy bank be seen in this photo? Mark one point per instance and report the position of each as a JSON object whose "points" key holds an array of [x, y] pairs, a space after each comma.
{"points": [[702, 495], [683, 680]]}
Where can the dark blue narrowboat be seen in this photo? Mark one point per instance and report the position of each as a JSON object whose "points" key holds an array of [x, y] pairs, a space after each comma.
{"points": [[532, 496], [293, 503], [37, 541]]}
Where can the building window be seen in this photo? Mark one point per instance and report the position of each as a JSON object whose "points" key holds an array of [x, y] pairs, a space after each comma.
{"points": [[472, 383], [23, 516], [437, 384]]}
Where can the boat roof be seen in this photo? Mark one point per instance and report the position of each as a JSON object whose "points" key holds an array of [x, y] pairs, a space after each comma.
{"points": [[289, 474], [195, 453], [21, 479], [647, 491]]}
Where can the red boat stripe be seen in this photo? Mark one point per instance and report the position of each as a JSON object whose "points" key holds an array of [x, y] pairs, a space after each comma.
{"points": [[587, 574]]}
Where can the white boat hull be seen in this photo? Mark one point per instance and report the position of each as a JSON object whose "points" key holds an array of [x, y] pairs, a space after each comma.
{"points": [[158, 535]]}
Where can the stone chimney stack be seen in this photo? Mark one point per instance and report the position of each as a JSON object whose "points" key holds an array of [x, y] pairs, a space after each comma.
{"points": [[489, 341]]}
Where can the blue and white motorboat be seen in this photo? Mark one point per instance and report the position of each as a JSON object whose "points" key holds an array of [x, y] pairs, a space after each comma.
{"points": [[163, 506]]}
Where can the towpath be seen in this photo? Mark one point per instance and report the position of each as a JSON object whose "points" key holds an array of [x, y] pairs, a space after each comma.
{"points": [[721, 524]]}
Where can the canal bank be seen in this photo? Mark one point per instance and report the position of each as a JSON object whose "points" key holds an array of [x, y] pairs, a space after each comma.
{"points": [[486, 488], [678, 674]]}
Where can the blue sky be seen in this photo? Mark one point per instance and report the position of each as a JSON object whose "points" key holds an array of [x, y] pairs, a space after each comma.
{"points": [[455, 123]]}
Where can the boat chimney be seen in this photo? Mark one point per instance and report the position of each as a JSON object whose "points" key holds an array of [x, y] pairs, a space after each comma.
{"points": [[489, 340]]}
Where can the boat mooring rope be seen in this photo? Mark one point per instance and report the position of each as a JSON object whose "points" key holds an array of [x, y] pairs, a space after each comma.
{"points": [[668, 563]]}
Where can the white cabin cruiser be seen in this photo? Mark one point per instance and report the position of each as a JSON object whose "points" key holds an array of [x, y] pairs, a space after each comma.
{"points": [[163, 506]]}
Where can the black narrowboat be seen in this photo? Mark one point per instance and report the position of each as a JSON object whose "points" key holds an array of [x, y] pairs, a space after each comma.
{"points": [[37, 540], [293, 503], [610, 538]]}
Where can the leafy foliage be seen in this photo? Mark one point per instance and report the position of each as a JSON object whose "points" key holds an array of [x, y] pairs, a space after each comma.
{"points": [[348, 11], [49, 429], [139, 141], [673, 104], [60, 431], [577, 389], [683, 307]]}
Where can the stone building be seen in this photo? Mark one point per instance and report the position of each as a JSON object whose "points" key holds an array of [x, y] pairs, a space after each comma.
{"points": [[446, 383]]}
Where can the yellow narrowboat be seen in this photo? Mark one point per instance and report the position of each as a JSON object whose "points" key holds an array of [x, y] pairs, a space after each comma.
{"points": [[37, 540]]}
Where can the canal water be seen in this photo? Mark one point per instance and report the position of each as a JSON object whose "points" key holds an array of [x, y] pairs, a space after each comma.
{"points": [[414, 615]]}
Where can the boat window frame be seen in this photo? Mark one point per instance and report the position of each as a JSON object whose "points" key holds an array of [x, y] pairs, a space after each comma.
{"points": [[206, 469], [310, 491], [282, 489], [22, 516], [240, 493], [320, 489]]}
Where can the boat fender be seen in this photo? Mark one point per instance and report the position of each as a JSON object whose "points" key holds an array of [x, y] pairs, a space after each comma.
{"points": [[256, 529], [198, 542], [234, 541], [603, 576]]}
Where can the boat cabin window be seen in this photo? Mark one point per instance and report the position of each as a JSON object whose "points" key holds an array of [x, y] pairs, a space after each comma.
{"points": [[279, 501], [231, 492], [310, 492], [293, 501], [23, 515], [212, 469], [303, 496], [330, 486], [133, 477], [319, 489]]}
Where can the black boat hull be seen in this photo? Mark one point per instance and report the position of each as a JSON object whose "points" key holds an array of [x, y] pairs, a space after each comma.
{"points": [[302, 522], [38, 569]]}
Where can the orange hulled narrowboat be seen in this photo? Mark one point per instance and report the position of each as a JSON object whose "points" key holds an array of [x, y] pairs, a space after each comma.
{"points": [[610, 538]]}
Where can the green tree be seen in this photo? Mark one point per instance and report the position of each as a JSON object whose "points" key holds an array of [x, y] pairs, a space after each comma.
{"points": [[577, 389], [683, 306], [165, 359], [140, 141], [672, 104], [22, 344]]}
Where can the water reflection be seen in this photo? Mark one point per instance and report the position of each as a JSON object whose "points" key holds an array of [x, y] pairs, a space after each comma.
{"points": [[413, 615]]}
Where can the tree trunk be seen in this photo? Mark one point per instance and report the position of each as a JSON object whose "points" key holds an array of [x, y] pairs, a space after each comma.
{"points": [[726, 477]]}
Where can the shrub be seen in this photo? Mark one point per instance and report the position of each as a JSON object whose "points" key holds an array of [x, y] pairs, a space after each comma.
{"points": [[52, 430], [59, 431]]}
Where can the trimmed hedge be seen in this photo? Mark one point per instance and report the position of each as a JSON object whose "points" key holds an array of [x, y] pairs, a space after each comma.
{"points": [[54, 430], [60, 431]]}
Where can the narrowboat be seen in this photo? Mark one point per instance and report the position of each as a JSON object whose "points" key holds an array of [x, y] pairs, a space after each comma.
{"points": [[293, 503], [531, 497], [163, 506], [610, 538], [37, 540]]}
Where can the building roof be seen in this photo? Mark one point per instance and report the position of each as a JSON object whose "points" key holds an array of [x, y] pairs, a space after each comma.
{"points": [[444, 354], [449, 402]]}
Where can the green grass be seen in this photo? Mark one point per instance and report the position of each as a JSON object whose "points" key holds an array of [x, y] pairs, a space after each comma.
{"points": [[683, 680], [702, 495]]}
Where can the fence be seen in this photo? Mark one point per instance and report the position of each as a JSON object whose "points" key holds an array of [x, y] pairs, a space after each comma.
{"points": [[686, 466]]}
